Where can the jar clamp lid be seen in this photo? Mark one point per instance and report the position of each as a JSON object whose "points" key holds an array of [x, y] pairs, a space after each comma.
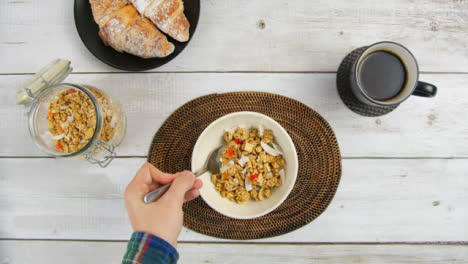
{"points": [[52, 74]]}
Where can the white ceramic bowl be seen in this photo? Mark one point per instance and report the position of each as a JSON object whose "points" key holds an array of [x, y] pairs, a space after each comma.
{"points": [[212, 137]]}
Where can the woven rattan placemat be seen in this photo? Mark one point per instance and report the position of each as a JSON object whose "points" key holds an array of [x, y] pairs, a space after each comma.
{"points": [[317, 148]]}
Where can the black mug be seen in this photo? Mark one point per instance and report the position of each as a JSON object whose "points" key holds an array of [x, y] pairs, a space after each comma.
{"points": [[386, 74]]}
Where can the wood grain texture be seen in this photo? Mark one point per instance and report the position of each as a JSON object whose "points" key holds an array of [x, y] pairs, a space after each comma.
{"points": [[111, 252], [377, 201], [276, 35], [420, 127]]}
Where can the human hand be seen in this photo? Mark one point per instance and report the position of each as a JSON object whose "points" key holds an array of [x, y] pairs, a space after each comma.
{"points": [[162, 218]]}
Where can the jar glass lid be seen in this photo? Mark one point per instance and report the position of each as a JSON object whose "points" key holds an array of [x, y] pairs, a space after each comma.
{"points": [[54, 73]]}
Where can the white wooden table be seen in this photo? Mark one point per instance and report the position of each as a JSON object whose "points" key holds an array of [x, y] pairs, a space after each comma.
{"points": [[403, 197]]}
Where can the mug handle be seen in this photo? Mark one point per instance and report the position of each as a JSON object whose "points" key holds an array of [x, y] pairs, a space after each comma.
{"points": [[425, 89]]}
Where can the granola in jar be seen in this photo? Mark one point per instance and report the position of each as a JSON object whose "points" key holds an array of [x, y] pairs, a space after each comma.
{"points": [[72, 119], [69, 120]]}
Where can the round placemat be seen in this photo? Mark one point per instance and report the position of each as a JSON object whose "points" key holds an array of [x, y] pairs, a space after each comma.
{"points": [[344, 88], [317, 148]]}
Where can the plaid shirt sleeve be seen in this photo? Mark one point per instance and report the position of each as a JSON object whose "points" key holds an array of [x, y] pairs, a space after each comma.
{"points": [[144, 248]]}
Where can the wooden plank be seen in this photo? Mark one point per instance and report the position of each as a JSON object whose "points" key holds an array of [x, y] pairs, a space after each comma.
{"points": [[111, 252], [245, 35], [378, 200], [418, 128]]}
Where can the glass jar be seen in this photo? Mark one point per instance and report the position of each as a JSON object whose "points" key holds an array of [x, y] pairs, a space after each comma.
{"points": [[87, 124]]}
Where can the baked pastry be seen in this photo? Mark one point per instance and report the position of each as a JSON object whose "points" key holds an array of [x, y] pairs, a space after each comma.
{"points": [[168, 15], [124, 29]]}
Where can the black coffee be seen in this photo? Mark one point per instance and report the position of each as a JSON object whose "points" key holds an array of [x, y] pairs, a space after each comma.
{"points": [[382, 75]]}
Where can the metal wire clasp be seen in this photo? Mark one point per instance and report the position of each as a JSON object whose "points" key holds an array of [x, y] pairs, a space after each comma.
{"points": [[102, 146]]}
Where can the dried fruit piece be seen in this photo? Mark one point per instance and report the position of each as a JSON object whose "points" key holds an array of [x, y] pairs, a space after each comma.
{"points": [[59, 146], [229, 152]]}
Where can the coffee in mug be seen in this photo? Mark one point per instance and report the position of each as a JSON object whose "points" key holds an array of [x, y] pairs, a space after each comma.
{"points": [[386, 73]]}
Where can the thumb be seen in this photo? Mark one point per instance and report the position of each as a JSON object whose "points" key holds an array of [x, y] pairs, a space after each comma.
{"points": [[182, 183]]}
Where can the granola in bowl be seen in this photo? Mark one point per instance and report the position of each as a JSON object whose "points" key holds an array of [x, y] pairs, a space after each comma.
{"points": [[252, 165], [213, 136]]}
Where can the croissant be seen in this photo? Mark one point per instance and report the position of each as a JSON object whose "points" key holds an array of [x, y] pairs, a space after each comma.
{"points": [[168, 15], [122, 28]]}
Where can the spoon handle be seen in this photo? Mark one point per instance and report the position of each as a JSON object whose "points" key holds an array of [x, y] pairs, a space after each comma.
{"points": [[201, 171], [156, 194]]}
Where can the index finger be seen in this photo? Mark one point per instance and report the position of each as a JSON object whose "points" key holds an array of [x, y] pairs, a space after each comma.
{"points": [[148, 174], [159, 176], [146, 179]]}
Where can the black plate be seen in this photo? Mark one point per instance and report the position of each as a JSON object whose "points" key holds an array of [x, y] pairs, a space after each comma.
{"points": [[88, 31]]}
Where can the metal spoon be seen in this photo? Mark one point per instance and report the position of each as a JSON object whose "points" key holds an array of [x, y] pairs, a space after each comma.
{"points": [[212, 164]]}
